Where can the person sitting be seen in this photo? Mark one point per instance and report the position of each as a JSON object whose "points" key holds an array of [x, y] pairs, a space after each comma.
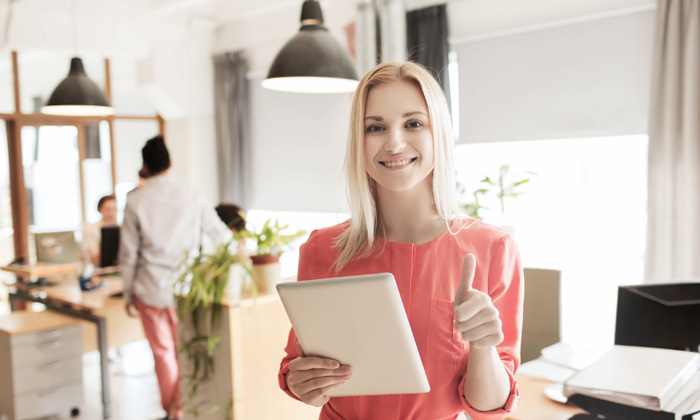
{"points": [[92, 233]]}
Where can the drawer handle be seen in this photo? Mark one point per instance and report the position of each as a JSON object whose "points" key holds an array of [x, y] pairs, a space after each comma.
{"points": [[51, 391], [52, 366], [51, 344], [51, 334]]}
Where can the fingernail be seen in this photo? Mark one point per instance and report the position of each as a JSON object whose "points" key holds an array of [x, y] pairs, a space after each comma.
{"points": [[345, 370]]}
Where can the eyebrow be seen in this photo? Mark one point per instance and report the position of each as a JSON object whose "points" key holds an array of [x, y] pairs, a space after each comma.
{"points": [[406, 115]]}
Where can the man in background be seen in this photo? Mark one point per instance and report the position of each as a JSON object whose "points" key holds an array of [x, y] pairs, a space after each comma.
{"points": [[163, 222]]}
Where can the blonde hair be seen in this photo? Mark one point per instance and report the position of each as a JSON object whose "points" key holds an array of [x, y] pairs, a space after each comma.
{"points": [[359, 239]]}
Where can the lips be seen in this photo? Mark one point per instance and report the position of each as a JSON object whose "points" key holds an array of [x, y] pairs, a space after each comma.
{"points": [[398, 163]]}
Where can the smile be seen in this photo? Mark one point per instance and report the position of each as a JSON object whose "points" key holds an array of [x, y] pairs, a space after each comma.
{"points": [[398, 163]]}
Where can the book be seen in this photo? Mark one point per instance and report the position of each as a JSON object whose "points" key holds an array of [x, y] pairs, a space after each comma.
{"points": [[637, 376]]}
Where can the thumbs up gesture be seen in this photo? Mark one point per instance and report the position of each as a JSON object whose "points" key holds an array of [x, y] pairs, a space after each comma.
{"points": [[475, 315]]}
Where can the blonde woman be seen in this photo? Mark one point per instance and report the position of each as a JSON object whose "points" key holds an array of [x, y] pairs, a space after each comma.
{"points": [[460, 279]]}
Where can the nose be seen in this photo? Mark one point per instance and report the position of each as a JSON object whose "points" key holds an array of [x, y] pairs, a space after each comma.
{"points": [[394, 142]]}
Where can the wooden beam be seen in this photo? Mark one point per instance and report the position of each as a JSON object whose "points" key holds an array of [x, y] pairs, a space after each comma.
{"points": [[18, 192], [108, 82], [114, 165], [81, 158], [161, 126], [15, 72]]}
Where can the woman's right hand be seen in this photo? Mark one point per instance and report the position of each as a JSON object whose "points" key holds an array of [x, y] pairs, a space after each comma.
{"points": [[312, 378]]}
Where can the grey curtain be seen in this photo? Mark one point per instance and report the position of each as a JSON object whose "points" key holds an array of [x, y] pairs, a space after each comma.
{"points": [[426, 41], [673, 217], [231, 119]]}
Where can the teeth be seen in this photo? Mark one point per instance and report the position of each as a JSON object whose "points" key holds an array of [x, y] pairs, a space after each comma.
{"points": [[395, 163]]}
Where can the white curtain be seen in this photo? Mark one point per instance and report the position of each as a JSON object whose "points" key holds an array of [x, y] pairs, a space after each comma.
{"points": [[673, 227]]}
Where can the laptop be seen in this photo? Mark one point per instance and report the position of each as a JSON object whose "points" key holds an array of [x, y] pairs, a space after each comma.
{"points": [[56, 247], [359, 321]]}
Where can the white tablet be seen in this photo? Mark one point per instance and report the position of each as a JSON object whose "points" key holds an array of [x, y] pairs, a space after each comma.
{"points": [[361, 322]]}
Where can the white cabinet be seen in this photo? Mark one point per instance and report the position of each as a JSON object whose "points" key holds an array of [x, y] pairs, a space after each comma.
{"points": [[40, 365]]}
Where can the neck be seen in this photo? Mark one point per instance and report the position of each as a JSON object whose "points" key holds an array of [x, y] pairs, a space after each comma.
{"points": [[409, 216]]}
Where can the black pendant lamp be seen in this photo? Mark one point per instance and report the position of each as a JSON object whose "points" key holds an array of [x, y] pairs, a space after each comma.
{"points": [[312, 61], [77, 95]]}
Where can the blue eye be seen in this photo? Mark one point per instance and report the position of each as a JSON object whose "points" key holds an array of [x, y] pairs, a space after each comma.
{"points": [[375, 129], [414, 124]]}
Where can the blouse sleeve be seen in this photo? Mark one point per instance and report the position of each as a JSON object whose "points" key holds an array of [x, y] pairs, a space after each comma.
{"points": [[506, 288], [306, 271]]}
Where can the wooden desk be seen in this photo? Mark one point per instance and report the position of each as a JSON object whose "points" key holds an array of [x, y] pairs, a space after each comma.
{"points": [[95, 306], [40, 269], [535, 405]]}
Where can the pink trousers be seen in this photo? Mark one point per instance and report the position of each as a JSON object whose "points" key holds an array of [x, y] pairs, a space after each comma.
{"points": [[160, 327]]}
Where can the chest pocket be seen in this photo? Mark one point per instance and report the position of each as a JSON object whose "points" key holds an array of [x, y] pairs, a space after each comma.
{"points": [[444, 342]]}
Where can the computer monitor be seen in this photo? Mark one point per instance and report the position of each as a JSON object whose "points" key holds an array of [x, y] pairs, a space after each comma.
{"points": [[109, 246], [56, 247], [659, 315]]}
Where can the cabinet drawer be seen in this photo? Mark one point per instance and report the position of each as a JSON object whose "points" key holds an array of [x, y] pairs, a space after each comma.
{"points": [[47, 375], [50, 349], [55, 400], [46, 335]]}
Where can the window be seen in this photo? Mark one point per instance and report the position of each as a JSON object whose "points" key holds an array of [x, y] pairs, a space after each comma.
{"points": [[584, 213]]}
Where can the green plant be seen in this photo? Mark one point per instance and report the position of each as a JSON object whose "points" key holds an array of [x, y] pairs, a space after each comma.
{"points": [[507, 185], [205, 279], [270, 240]]}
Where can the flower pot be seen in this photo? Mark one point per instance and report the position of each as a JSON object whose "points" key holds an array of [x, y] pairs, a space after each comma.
{"points": [[267, 272]]}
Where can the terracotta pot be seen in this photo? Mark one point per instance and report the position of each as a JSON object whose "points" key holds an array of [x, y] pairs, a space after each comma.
{"points": [[267, 272]]}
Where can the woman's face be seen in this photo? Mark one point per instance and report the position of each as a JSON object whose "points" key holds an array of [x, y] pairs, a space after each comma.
{"points": [[109, 211], [398, 136]]}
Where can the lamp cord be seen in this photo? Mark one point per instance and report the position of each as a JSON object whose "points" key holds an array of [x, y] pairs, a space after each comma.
{"points": [[75, 35]]}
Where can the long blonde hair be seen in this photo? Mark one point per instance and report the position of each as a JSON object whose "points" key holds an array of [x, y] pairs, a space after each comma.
{"points": [[360, 238]]}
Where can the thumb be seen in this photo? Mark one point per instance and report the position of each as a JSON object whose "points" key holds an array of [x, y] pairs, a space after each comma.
{"points": [[299, 350], [465, 283]]}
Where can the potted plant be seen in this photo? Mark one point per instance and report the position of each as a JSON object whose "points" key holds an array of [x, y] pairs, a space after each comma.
{"points": [[270, 244], [201, 288]]}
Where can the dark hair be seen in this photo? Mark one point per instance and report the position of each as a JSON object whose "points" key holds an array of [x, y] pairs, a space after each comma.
{"points": [[103, 200], [231, 215], [155, 155]]}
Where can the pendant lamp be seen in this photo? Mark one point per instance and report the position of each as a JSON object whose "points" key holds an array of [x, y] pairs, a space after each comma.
{"points": [[312, 61], [77, 95]]}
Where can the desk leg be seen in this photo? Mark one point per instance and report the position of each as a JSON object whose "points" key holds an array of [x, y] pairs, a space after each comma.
{"points": [[104, 366]]}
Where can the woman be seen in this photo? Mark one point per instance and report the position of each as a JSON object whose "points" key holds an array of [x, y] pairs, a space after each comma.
{"points": [[460, 279], [92, 233]]}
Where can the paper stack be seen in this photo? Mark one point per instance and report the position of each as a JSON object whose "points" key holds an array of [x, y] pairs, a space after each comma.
{"points": [[657, 380]]}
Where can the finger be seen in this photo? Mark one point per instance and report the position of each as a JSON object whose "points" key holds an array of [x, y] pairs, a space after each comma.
{"points": [[318, 392], [319, 397], [467, 279], [482, 317], [296, 377], [491, 332], [299, 349], [309, 363]]}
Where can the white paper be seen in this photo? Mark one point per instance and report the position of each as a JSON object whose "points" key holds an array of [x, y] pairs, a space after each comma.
{"points": [[540, 368]]}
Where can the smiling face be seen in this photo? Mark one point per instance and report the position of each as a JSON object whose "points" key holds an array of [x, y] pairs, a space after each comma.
{"points": [[397, 136]]}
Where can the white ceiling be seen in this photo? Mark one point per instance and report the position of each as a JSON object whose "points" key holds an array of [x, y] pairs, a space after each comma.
{"points": [[132, 27]]}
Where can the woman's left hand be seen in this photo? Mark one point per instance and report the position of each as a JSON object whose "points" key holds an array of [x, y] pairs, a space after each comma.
{"points": [[475, 315]]}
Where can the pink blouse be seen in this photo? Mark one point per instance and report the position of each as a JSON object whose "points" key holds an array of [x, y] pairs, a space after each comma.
{"points": [[427, 276]]}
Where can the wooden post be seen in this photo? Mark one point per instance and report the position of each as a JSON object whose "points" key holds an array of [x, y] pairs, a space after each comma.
{"points": [[81, 158], [110, 121], [15, 71], [18, 192], [161, 125]]}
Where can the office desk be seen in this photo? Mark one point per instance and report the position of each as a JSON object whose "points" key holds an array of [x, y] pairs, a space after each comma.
{"points": [[96, 306], [534, 405]]}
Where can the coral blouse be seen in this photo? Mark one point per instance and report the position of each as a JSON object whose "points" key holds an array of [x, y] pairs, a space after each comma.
{"points": [[427, 276]]}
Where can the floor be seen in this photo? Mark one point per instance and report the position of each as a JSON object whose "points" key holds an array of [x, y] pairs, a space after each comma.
{"points": [[134, 388]]}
